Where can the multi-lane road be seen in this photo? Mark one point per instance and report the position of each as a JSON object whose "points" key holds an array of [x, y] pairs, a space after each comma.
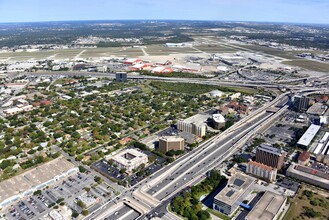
{"points": [[152, 195]]}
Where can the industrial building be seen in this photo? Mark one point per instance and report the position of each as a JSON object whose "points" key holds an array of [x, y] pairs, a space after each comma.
{"points": [[25, 184], [309, 175], [129, 159], [270, 156], [168, 143], [261, 170], [308, 136], [230, 198], [269, 207], [121, 76], [301, 103], [218, 121], [196, 125]]}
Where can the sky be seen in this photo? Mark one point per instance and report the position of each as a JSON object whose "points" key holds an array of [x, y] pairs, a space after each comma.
{"points": [[295, 11]]}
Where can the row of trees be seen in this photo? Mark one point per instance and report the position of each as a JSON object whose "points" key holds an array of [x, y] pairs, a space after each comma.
{"points": [[188, 204]]}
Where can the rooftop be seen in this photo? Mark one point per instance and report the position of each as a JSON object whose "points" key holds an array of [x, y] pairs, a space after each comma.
{"points": [[267, 207], [198, 119], [308, 136], [171, 138], [263, 166], [128, 156], [236, 186], [268, 148], [33, 178], [218, 118], [317, 109], [304, 156]]}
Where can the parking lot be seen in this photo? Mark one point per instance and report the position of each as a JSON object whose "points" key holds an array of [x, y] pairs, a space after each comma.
{"points": [[113, 172], [63, 192]]}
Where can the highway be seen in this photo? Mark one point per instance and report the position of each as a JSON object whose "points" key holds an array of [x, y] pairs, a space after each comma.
{"points": [[153, 194]]}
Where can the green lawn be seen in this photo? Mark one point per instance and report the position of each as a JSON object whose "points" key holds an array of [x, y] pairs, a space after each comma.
{"points": [[218, 214]]}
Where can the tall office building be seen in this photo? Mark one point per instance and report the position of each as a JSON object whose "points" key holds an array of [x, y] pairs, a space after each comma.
{"points": [[270, 156], [193, 128], [301, 103], [168, 143], [121, 77]]}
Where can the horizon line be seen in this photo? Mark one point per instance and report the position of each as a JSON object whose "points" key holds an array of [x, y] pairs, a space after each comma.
{"points": [[191, 20]]}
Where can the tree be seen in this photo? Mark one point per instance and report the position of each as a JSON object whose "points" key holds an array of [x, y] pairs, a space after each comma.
{"points": [[81, 204], [85, 212], [82, 169], [75, 214]]}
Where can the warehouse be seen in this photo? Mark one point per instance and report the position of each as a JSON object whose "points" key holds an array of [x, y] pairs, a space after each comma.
{"points": [[38, 178], [268, 207], [308, 136]]}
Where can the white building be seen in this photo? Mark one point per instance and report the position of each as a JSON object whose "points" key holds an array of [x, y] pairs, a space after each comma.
{"points": [[229, 199], [269, 207], [308, 136], [53, 214], [218, 121], [23, 185], [261, 170], [235, 96], [129, 159]]}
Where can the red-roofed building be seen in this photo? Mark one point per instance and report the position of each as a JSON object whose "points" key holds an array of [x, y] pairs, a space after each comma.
{"points": [[132, 61], [138, 66], [161, 69], [237, 107], [261, 170], [304, 158]]}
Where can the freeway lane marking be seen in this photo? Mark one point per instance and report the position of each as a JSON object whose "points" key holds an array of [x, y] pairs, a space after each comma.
{"points": [[208, 156]]}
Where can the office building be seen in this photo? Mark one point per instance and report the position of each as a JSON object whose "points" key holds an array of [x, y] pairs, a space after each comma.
{"points": [[301, 103], [121, 77], [129, 159], [168, 143], [196, 124], [261, 170], [309, 175], [269, 207], [218, 121], [308, 136], [229, 199], [270, 156]]}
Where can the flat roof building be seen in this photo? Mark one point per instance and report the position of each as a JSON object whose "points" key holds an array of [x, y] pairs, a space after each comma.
{"points": [[317, 109], [129, 159], [270, 156], [268, 207], [308, 136], [229, 199], [309, 175], [168, 143], [35, 179], [121, 76]]}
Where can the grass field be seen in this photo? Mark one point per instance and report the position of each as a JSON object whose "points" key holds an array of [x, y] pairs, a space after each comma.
{"points": [[309, 64], [302, 202]]}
